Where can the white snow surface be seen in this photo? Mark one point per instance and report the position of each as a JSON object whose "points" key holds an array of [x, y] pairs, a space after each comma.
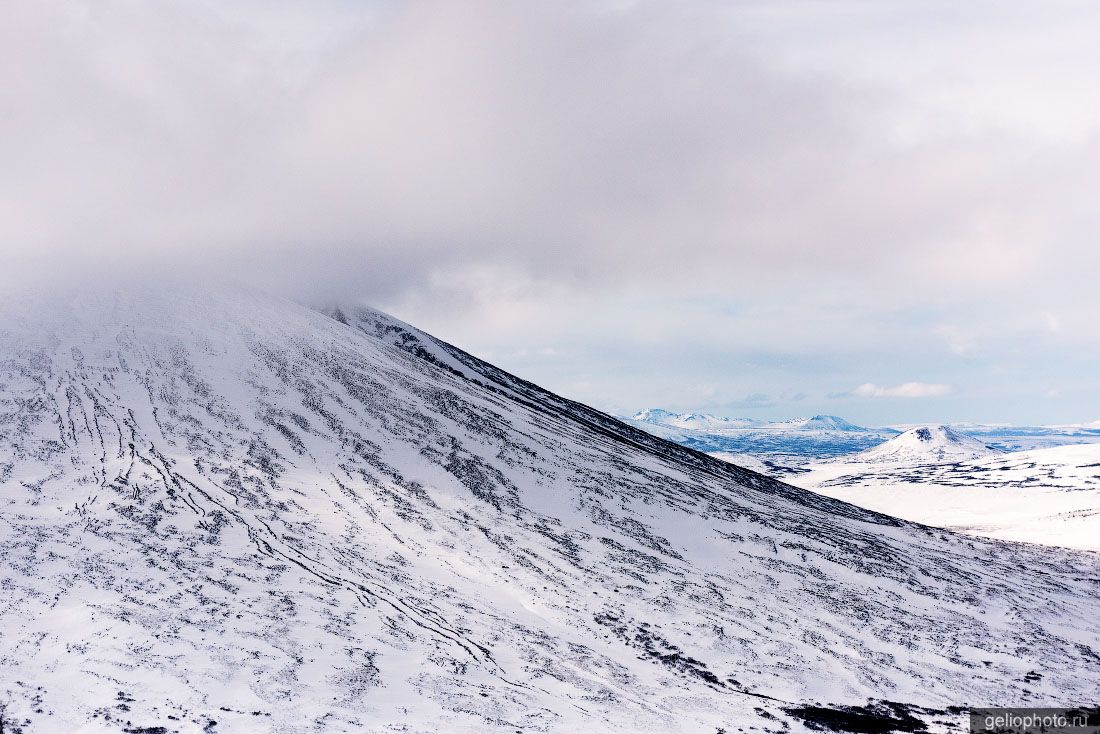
{"points": [[224, 512], [1049, 496]]}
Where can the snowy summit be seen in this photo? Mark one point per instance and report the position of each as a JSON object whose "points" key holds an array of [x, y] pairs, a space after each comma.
{"points": [[926, 445]]}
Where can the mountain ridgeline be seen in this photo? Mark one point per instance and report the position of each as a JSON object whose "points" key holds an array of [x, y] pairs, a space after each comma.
{"points": [[784, 443], [226, 512]]}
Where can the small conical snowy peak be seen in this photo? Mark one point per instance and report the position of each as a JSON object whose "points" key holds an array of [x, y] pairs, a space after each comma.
{"points": [[927, 444]]}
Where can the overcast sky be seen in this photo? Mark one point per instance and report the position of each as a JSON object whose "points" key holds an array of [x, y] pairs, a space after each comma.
{"points": [[882, 210]]}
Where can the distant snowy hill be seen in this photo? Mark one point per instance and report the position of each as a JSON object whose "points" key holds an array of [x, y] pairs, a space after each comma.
{"points": [[826, 423], [925, 445], [222, 512], [692, 421], [1008, 437]]}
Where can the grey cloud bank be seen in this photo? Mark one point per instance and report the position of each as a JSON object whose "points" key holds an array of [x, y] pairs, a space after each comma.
{"points": [[633, 203]]}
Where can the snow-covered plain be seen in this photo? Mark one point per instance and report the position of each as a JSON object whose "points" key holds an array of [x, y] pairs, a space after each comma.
{"points": [[224, 512], [1049, 496], [973, 478]]}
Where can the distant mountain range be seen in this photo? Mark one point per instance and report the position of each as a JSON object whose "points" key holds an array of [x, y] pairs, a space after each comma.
{"points": [[796, 441], [704, 421], [780, 445]]}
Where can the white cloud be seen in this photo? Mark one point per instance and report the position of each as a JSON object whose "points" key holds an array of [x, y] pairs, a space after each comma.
{"points": [[753, 197], [904, 390], [960, 341], [580, 143]]}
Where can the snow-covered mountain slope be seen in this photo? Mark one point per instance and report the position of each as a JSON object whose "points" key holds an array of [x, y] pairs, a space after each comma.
{"points": [[767, 466], [924, 445], [227, 513], [1049, 496]]}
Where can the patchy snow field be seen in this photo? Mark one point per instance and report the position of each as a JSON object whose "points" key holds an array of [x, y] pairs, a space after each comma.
{"points": [[1048, 496], [227, 513]]}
